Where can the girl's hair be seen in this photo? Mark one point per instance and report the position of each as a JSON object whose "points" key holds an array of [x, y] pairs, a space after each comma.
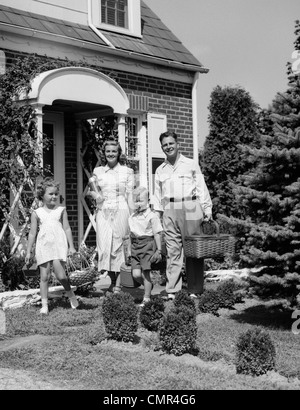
{"points": [[43, 185], [112, 141]]}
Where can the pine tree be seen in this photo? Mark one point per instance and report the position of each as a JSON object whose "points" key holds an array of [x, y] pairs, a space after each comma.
{"points": [[270, 194], [232, 121]]}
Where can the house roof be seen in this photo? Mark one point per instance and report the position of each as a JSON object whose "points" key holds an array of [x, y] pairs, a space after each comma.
{"points": [[157, 40]]}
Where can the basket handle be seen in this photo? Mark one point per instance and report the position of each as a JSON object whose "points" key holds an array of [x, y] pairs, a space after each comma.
{"points": [[211, 221]]}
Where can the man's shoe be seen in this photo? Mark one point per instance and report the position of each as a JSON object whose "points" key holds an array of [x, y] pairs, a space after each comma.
{"points": [[171, 296], [193, 296]]}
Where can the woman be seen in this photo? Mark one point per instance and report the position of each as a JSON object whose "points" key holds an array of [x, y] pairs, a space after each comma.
{"points": [[111, 186]]}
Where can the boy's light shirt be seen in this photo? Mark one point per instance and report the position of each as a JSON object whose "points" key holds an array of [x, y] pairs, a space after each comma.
{"points": [[145, 223]]}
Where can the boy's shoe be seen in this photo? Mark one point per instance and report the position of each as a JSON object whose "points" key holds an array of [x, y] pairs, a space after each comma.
{"points": [[193, 296], [74, 302], [44, 310], [145, 300], [169, 296]]}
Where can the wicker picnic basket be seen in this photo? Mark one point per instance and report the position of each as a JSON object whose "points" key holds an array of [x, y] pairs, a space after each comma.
{"points": [[80, 270], [209, 246]]}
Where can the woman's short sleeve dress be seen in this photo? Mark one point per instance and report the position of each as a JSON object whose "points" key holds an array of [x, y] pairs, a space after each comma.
{"points": [[112, 218], [51, 242]]}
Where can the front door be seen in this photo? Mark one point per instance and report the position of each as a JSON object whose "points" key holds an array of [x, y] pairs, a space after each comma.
{"points": [[54, 157]]}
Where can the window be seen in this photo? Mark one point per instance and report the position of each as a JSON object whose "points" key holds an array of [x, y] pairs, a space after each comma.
{"points": [[121, 16], [114, 12]]}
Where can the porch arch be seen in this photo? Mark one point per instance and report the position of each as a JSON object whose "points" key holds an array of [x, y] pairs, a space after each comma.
{"points": [[77, 84]]}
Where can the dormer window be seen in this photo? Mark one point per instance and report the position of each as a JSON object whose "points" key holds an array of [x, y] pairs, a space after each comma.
{"points": [[121, 16], [114, 13]]}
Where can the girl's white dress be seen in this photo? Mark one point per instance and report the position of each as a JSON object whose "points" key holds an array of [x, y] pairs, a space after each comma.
{"points": [[51, 241], [112, 216]]}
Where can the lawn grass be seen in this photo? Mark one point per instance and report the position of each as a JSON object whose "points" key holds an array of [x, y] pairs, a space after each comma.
{"points": [[76, 352]]}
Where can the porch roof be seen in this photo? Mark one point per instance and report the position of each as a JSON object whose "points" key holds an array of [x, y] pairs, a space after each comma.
{"points": [[157, 41]]}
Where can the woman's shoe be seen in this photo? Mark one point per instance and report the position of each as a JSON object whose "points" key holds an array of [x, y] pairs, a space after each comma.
{"points": [[117, 289]]}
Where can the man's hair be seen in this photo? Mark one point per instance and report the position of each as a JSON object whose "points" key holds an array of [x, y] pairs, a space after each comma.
{"points": [[168, 134]]}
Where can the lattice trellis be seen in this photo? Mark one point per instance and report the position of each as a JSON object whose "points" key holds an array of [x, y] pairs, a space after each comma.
{"points": [[17, 229], [91, 215]]}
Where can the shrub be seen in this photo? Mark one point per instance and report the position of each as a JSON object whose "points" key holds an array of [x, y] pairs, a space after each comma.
{"points": [[182, 298], [226, 291], [152, 313], [178, 331], [255, 352], [12, 274], [209, 302], [120, 316]]}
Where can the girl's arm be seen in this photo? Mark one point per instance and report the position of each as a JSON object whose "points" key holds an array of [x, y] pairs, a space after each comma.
{"points": [[68, 232], [31, 236]]}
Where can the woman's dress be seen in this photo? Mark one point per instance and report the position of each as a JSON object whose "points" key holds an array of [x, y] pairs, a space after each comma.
{"points": [[51, 241], [112, 216]]}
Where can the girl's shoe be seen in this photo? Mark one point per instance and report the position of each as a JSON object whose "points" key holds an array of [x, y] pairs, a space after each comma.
{"points": [[74, 302], [44, 310]]}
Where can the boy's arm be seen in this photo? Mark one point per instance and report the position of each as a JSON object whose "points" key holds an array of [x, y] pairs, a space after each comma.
{"points": [[31, 236], [156, 257], [68, 232]]}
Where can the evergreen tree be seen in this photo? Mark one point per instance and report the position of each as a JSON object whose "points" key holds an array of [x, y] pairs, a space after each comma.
{"points": [[270, 194], [232, 121]]}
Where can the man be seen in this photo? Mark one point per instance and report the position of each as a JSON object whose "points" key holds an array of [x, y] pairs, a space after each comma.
{"points": [[182, 198]]}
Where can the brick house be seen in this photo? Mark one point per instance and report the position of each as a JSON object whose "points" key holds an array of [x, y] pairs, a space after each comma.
{"points": [[140, 73]]}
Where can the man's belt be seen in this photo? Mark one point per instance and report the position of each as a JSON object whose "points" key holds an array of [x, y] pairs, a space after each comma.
{"points": [[193, 198]]}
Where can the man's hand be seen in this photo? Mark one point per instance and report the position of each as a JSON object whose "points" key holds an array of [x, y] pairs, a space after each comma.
{"points": [[207, 217]]}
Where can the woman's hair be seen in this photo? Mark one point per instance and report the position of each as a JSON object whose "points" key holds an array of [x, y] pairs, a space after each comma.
{"points": [[43, 185], [112, 141]]}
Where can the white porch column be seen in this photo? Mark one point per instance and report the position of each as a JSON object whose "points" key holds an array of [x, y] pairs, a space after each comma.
{"points": [[39, 115], [195, 117], [122, 131], [79, 181], [143, 156]]}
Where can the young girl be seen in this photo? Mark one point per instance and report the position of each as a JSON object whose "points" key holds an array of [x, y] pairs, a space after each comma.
{"points": [[51, 230]]}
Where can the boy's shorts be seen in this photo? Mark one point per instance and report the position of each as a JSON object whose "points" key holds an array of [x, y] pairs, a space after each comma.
{"points": [[142, 249]]}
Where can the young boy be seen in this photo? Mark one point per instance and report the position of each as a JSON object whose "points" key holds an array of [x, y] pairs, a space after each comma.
{"points": [[145, 241]]}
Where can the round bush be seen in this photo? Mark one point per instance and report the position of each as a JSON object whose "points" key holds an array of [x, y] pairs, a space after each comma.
{"points": [[255, 352], [182, 298], [226, 291], [209, 302], [152, 313], [120, 316], [178, 331]]}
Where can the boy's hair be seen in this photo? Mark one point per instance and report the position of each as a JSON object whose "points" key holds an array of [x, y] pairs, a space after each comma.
{"points": [[138, 191], [43, 185]]}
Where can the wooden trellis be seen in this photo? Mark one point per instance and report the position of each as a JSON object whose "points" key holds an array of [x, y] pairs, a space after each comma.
{"points": [[18, 206], [91, 215]]}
